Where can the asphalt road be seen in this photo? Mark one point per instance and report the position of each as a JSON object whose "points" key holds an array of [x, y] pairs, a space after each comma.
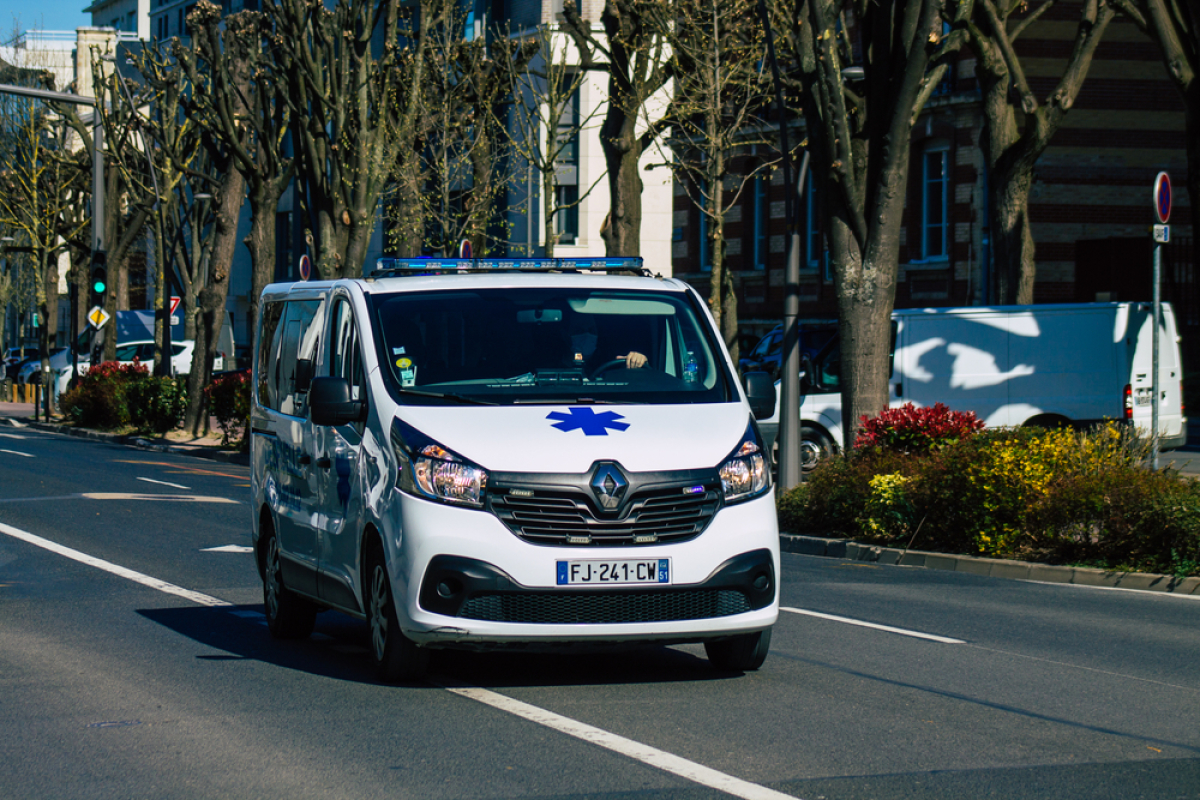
{"points": [[136, 664]]}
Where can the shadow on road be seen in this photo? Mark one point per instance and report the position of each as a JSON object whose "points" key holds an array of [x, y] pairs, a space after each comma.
{"points": [[338, 649]]}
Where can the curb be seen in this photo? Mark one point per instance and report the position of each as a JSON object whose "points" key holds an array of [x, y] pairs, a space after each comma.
{"points": [[989, 567], [208, 453]]}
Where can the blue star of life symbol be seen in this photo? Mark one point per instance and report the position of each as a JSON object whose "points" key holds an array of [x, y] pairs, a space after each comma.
{"points": [[588, 421]]}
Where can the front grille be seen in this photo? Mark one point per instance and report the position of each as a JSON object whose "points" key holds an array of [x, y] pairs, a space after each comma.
{"points": [[609, 607], [566, 517]]}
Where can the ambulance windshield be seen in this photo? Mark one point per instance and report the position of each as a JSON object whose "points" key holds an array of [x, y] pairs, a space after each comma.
{"points": [[537, 345]]}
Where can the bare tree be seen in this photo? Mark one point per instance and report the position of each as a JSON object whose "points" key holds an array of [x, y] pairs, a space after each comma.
{"points": [[35, 188], [351, 72], [192, 159], [462, 148], [218, 104], [545, 124], [1017, 128], [635, 54], [859, 133], [722, 90]]}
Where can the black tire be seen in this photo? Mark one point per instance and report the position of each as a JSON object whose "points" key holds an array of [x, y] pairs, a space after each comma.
{"points": [[397, 658], [743, 653], [289, 616], [815, 447]]}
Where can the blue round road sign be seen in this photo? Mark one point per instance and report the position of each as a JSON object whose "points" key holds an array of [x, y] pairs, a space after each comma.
{"points": [[1162, 197], [305, 267]]}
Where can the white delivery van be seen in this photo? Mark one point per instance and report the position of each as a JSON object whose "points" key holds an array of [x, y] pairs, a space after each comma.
{"points": [[1073, 364], [479, 454]]}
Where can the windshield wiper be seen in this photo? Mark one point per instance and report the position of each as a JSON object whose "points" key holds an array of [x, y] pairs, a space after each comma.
{"points": [[569, 401], [447, 396]]}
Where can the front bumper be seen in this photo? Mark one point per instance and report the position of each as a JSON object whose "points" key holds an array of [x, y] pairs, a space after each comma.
{"points": [[464, 580]]}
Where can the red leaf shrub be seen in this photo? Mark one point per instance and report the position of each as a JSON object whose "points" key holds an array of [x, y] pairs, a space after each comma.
{"points": [[909, 429]]}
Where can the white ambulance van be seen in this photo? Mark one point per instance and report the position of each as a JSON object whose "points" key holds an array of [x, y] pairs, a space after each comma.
{"points": [[480, 454], [1075, 364]]}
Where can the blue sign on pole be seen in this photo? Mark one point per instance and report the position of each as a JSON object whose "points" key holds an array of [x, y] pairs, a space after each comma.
{"points": [[1162, 197]]}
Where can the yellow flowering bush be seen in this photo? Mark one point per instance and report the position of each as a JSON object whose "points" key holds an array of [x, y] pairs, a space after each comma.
{"points": [[888, 511], [1054, 495]]}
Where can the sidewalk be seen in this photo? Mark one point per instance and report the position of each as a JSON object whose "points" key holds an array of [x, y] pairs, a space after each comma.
{"points": [[22, 414]]}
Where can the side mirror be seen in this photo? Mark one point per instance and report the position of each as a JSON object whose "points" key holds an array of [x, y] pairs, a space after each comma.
{"points": [[329, 402], [760, 391]]}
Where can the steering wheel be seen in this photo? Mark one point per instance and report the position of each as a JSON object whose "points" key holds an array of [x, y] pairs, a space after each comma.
{"points": [[606, 366]]}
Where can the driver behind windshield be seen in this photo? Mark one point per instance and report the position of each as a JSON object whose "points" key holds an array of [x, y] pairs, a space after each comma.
{"points": [[584, 341]]}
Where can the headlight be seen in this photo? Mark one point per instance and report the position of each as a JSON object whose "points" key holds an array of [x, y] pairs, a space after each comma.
{"points": [[745, 474], [426, 469]]}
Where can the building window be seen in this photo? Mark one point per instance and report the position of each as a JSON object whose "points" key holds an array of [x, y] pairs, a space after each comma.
{"points": [[761, 215], [566, 219], [566, 172], [935, 198]]}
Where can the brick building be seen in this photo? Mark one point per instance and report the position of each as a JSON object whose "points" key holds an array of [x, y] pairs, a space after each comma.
{"points": [[1090, 204]]}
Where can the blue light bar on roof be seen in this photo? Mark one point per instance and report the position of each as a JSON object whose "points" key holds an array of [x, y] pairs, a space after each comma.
{"points": [[425, 265]]}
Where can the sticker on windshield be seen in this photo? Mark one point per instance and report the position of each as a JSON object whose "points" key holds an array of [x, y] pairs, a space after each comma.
{"points": [[588, 421], [408, 373]]}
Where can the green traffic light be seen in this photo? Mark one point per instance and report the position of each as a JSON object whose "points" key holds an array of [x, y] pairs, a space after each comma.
{"points": [[98, 287]]}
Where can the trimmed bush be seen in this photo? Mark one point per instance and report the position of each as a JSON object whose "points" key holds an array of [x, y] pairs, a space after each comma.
{"points": [[114, 396], [909, 429], [1057, 496]]}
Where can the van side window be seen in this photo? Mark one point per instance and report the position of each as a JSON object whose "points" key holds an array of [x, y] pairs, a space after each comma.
{"points": [[346, 361], [268, 355], [301, 332]]}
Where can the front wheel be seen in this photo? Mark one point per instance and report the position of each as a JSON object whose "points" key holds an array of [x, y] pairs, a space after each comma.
{"points": [[288, 615], [742, 653], [397, 658]]}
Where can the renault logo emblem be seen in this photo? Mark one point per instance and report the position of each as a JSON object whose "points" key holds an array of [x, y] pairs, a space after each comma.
{"points": [[609, 485]]}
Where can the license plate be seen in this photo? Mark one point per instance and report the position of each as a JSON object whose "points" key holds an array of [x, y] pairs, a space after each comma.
{"points": [[1142, 398], [614, 572]]}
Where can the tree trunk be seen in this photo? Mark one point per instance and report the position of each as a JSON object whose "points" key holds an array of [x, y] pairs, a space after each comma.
{"points": [[264, 201], [229, 199], [1012, 236], [866, 291], [622, 234], [48, 311]]}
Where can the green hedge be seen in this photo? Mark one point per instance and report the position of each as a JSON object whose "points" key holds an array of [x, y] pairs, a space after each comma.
{"points": [[1056, 496]]}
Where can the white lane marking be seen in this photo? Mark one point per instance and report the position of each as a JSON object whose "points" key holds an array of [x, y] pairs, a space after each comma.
{"points": [[182, 498], [108, 566], [228, 548], [652, 756], [863, 624], [164, 483], [18, 453], [12, 436], [660, 759]]}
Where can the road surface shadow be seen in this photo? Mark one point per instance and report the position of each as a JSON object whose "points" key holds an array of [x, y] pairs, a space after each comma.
{"points": [[339, 646]]}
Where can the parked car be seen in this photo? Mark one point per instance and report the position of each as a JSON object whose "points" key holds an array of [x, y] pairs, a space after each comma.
{"points": [[181, 355], [60, 368], [767, 354]]}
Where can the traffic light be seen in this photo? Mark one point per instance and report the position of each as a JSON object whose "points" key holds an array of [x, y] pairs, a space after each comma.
{"points": [[98, 286]]}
